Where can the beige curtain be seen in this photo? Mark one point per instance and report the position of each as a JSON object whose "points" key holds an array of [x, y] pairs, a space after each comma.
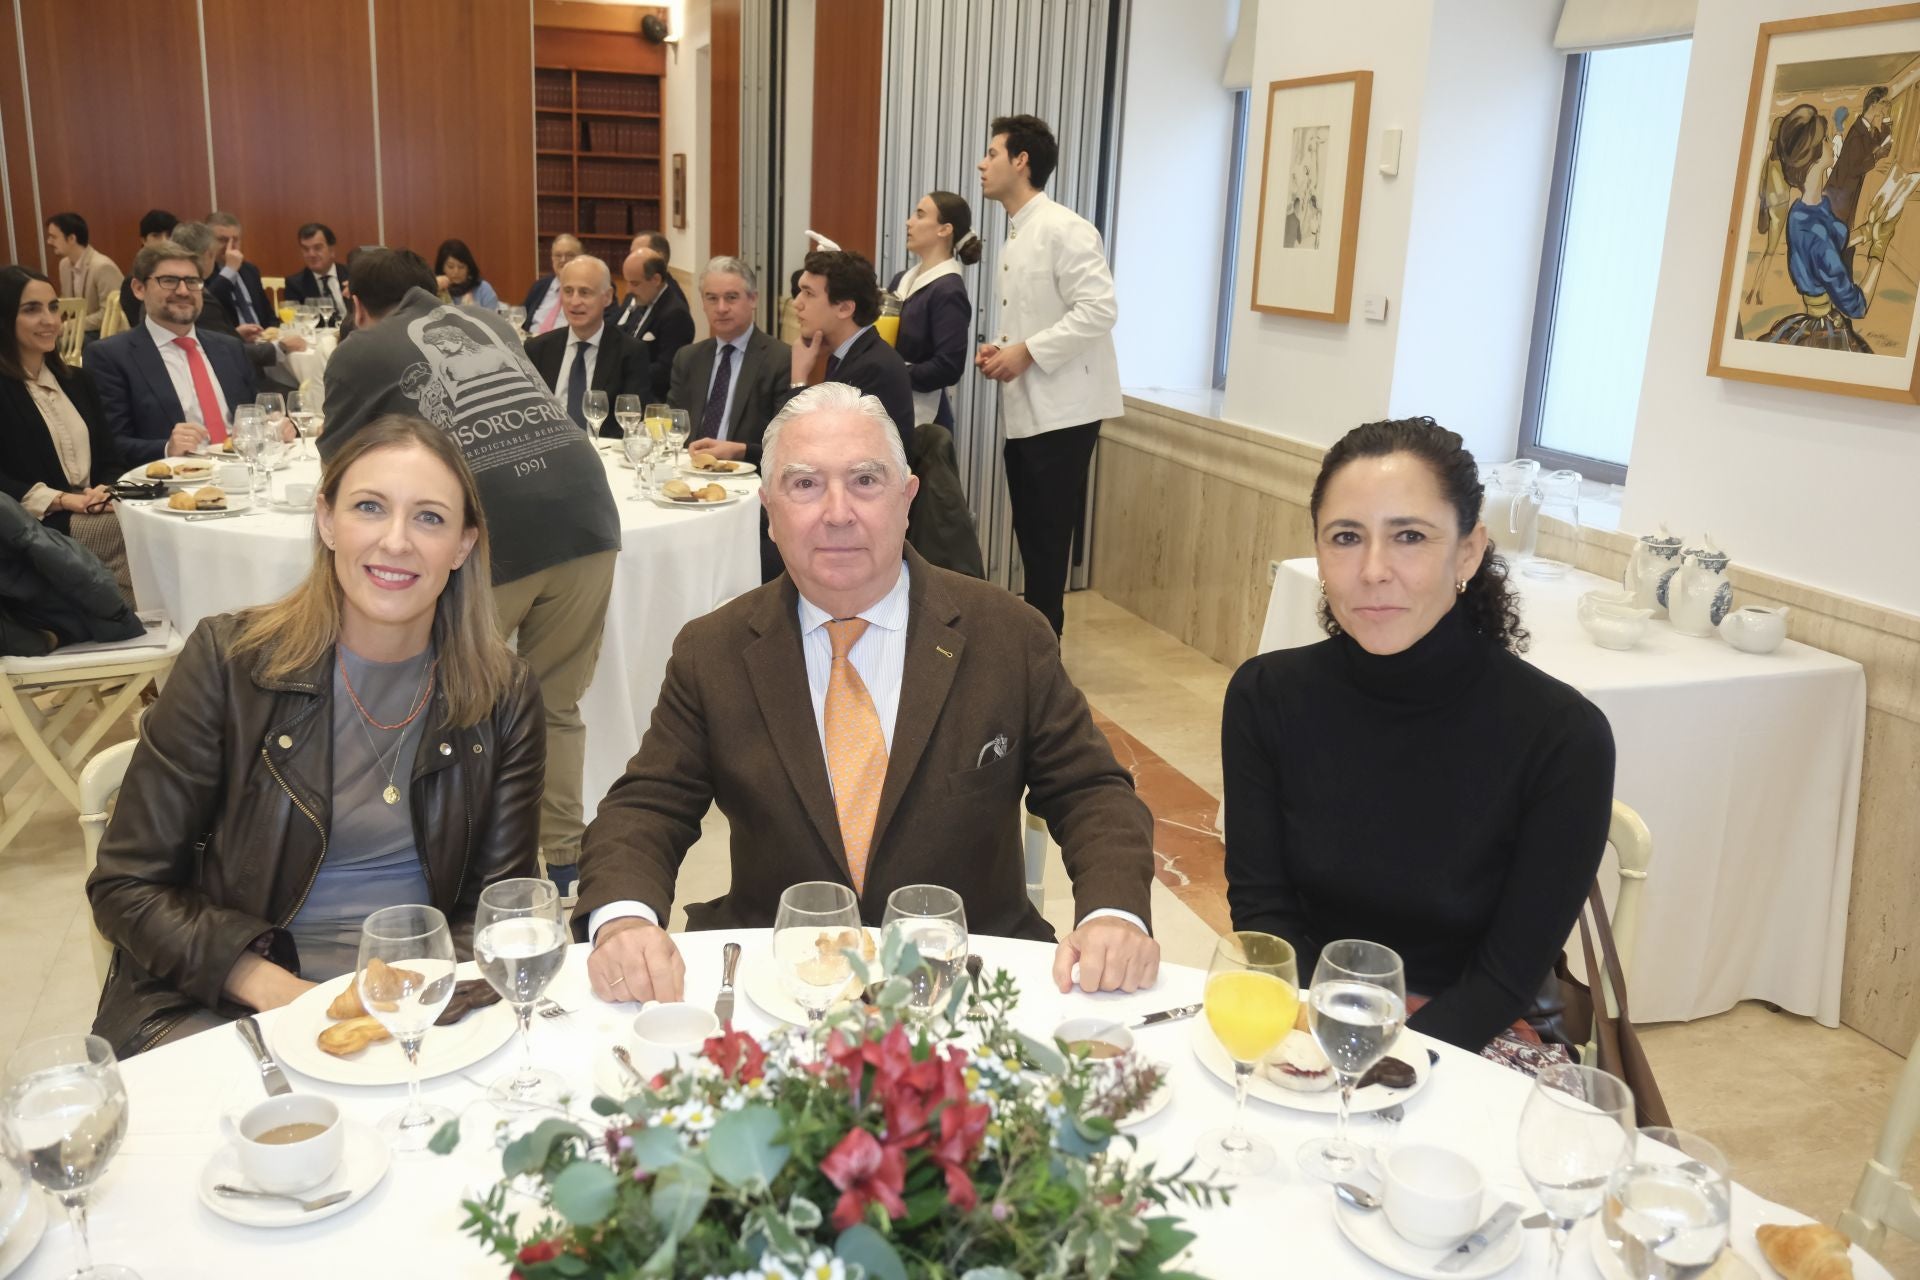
{"points": [[1239, 71], [1605, 24]]}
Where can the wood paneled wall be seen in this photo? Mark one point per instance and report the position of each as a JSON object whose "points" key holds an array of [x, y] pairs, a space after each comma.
{"points": [[297, 94], [723, 155], [846, 121]]}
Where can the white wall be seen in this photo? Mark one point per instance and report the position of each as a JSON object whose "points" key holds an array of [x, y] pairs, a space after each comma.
{"points": [[1813, 487], [686, 135], [1171, 218]]}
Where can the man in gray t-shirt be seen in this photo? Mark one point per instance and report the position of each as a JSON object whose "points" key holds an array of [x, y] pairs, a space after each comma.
{"points": [[551, 519]]}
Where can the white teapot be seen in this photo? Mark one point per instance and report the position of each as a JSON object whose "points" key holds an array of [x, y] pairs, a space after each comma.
{"points": [[1755, 629], [1697, 595], [1654, 556]]}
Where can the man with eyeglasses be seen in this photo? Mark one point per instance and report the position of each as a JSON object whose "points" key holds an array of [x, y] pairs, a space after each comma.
{"points": [[544, 313], [166, 386]]}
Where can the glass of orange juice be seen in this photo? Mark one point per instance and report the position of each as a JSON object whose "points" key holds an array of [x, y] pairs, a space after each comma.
{"points": [[1252, 998]]}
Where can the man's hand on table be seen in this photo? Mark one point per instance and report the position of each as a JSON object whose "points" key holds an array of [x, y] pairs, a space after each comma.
{"points": [[634, 959], [724, 450], [1113, 954]]}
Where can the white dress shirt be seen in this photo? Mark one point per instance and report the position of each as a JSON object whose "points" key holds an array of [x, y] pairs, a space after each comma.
{"points": [[329, 284], [567, 361], [739, 346], [627, 320], [181, 374], [1056, 295], [879, 656]]}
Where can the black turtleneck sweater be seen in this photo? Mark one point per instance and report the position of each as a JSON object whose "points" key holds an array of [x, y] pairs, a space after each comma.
{"points": [[1450, 801]]}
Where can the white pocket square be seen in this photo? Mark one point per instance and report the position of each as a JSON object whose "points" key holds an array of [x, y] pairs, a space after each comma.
{"points": [[646, 337]]}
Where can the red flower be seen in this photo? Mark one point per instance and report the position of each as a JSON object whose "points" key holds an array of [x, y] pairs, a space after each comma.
{"points": [[962, 1127], [865, 1171], [737, 1054], [538, 1251]]}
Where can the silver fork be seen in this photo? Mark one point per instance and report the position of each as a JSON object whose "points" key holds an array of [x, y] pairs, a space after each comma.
{"points": [[549, 1009]]}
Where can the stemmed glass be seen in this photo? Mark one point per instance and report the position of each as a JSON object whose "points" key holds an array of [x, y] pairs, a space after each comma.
{"points": [[1356, 1006], [519, 945], [326, 308], [1575, 1131], [303, 406], [679, 423], [273, 407], [65, 1114], [249, 432], [594, 409], [934, 920], [406, 993], [1252, 997], [1667, 1210], [808, 944], [627, 412], [638, 446], [517, 317]]}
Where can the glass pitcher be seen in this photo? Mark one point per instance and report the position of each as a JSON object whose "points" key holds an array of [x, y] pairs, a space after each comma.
{"points": [[887, 324], [1559, 493], [1511, 508]]}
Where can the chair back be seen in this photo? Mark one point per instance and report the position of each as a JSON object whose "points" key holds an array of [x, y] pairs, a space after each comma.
{"points": [[1633, 848], [1883, 1201], [99, 786], [275, 286], [113, 319], [73, 314]]}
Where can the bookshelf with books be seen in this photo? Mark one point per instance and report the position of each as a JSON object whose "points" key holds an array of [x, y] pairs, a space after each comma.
{"points": [[598, 161]]}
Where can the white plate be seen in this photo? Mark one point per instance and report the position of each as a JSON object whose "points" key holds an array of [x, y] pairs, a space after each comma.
{"points": [[1731, 1265], [235, 502], [17, 1245], [1369, 1232], [363, 1162], [740, 469], [1156, 1101], [139, 476], [444, 1050], [1410, 1048], [660, 500], [761, 981]]}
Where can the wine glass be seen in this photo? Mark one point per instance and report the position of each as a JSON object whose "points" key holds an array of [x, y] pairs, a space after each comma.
{"points": [[1252, 997], [817, 921], [1356, 1006], [405, 991], [273, 407], [303, 406], [1668, 1208], [594, 409], [517, 317], [679, 423], [638, 446], [627, 412], [324, 302], [248, 432], [1575, 1131], [519, 944], [934, 920], [65, 1114]]}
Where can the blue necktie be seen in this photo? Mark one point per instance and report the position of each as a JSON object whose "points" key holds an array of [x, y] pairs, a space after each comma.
{"points": [[577, 387], [713, 418], [246, 307]]}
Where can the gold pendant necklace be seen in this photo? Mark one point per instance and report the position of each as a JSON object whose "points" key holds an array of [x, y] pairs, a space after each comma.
{"points": [[391, 794]]}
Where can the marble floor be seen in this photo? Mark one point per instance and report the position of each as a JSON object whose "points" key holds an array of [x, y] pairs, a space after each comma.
{"points": [[1796, 1106]]}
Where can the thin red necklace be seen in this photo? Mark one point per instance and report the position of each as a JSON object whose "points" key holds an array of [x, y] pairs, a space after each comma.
{"points": [[426, 692]]}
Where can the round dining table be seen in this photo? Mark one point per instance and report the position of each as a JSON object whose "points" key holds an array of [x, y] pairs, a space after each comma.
{"points": [[675, 564], [146, 1212]]}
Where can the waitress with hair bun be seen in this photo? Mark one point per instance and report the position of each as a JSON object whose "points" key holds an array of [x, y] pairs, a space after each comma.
{"points": [[936, 317], [1411, 780]]}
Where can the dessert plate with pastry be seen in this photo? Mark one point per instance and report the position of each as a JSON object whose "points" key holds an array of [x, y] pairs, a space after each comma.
{"points": [[684, 493], [1298, 1076], [208, 499], [761, 979], [330, 1035], [175, 473], [705, 465]]}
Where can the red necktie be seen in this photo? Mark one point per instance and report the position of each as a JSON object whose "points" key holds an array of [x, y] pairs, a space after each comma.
{"points": [[203, 390]]}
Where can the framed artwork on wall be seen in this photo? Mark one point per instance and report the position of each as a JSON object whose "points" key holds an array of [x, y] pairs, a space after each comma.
{"points": [[1310, 173], [1817, 286], [679, 191]]}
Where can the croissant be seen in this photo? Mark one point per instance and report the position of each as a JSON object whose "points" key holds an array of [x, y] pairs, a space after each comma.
{"points": [[1813, 1252], [347, 1004], [351, 1036]]}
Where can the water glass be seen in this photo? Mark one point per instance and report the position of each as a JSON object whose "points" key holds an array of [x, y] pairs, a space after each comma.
{"points": [[679, 423], [517, 317], [1252, 997], [303, 406], [324, 303], [273, 408], [65, 1114], [1576, 1130], [1355, 1010], [818, 920], [248, 431], [519, 944], [594, 408], [638, 446], [406, 993], [627, 412], [1667, 1210], [934, 920]]}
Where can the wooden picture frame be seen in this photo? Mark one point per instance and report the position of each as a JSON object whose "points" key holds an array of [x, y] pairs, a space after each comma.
{"points": [[1821, 295], [679, 191], [1309, 221]]}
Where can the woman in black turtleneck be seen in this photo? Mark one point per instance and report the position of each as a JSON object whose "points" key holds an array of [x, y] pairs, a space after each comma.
{"points": [[1411, 780]]}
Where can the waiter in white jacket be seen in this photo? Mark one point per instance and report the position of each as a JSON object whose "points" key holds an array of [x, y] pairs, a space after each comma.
{"points": [[1053, 354]]}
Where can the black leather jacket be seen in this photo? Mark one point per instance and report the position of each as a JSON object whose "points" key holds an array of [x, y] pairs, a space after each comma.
{"points": [[222, 824]]}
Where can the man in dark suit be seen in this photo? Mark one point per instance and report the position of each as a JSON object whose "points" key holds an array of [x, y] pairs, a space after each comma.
{"points": [[543, 300], [218, 316], [729, 384], [654, 242], [1869, 140], [166, 386], [870, 720], [838, 301], [236, 282], [156, 225], [321, 275], [590, 354], [653, 315]]}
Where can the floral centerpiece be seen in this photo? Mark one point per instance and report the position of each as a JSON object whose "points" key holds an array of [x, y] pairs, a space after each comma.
{"points": [[875, 1147]]}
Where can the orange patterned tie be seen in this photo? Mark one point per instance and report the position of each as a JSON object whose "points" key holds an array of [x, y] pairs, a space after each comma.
{"points": [[856, 748]]}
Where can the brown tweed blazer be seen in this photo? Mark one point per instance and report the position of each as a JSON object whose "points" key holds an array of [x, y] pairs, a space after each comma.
{"points": [[734, 725]]}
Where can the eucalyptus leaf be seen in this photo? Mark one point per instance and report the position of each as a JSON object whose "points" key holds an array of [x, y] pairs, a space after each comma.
{"points": [[742, 1150], [957, 997], [860, 1245], [606, 1107], [893, 992], [680, 1196], [661, 1262], [909, 958], [657, 1149], [529, 1151], [639, 1106], [860, 969], [584, 1192], [445, 1138], [990, 1273], [803, 1214], [1045, 1057], [570, 1264]]}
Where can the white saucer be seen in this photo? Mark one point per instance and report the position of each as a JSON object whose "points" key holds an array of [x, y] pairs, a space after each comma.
{"points": [[17, 1245], [1369, 1232], [1156, 1101], [363, 1163]]}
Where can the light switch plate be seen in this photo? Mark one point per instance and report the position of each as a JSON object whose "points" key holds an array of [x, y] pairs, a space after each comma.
{"points": [[1374, 307]]}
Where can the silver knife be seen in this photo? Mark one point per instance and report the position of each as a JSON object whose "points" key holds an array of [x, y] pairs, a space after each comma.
{"points": [[219, 515], [270, 1073], [1482, 1239], [1165, 1015], [729, 960]]}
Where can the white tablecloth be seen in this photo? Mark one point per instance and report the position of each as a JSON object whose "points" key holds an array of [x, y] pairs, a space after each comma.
{"points": [[147, 1212], [1746, 769], [674, 565]]}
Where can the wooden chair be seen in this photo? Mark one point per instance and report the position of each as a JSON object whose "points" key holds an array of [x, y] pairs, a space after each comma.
{"points": [[73, 314], [42, 698], [1883, 1201], [99, 786], [112, 319], [275, 286], [1633, 847]]}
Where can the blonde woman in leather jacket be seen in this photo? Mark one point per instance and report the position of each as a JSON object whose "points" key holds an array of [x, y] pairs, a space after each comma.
{"points": [[365, 741]]}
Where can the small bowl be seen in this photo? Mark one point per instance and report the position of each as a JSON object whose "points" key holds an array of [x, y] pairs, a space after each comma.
{"points": [[1613, 598], [1100, 1033], [1614, 626]]}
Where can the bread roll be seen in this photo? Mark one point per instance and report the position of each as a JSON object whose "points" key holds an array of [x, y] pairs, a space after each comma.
{"points": [[712, 493], [159, 471], [1812, 1252], [181, 500], [678, 490], [211, 498]]}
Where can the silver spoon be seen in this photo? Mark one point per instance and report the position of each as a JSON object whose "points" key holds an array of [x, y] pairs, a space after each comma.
{"points": [[626, 1062], [1357, 1196], [309, 1206]]}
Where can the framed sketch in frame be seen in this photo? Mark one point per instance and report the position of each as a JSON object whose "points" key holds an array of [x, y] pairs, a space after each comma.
{"points": [[1310, 173], [1817, 286], [679, 190]]}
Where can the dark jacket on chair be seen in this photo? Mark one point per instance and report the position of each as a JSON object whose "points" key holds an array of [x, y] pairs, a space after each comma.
{"points": [[50, 583], [620, 369], [27, 453], [939, 524], [222, 823], [137, 399]]}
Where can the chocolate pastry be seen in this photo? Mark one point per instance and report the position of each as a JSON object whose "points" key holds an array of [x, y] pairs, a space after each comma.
{"points": [[474, 993]]}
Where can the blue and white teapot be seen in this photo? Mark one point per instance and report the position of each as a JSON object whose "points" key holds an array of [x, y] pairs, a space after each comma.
{"points": [[1697, 594], [1654, 557]]}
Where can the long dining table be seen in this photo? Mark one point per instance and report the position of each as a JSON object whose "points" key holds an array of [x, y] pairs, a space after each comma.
{"points": [[147, 1211]]}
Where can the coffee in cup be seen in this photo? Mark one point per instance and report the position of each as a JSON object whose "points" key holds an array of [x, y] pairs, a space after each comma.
{"points": [[288, 1144]]}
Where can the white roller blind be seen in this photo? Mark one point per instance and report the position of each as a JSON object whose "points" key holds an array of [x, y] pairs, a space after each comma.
{"points": [[1239, 72], [1607, 24]]}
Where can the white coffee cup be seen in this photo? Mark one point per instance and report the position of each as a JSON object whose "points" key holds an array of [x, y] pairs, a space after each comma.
{"points": [[298, 495], [231, 476], [670, 1031], [281, 1166], [1076, 1032], [1433, 1195]]}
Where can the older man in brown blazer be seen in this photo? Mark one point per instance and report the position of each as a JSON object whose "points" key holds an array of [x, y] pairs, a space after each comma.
{"points": [[871, 720]]}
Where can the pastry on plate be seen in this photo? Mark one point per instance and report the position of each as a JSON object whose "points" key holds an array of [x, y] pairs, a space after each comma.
{"points": [[1298, 1064], [159, 471], [344, 1039], [211, 498], [1812, 1252], [712, 493], [181, 500]]}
